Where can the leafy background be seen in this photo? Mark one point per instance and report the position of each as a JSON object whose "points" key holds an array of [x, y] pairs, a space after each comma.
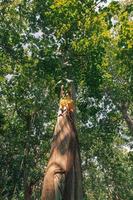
{"points": [[42, 42]]}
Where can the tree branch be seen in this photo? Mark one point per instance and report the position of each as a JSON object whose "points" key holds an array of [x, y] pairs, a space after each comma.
{"points": [[126, 116]]}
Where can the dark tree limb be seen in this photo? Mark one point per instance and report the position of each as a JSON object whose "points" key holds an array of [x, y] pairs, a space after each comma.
{"points": [[126, 116]]}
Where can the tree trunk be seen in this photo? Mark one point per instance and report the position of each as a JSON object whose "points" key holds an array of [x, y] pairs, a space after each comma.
{"points": [[62, 180], [27, 192], [27, 185], [127, 117]]}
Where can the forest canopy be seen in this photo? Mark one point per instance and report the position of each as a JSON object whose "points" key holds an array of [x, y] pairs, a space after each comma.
{"points": [[41, 43]]}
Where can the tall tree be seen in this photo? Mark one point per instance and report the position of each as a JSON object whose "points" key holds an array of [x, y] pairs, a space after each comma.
{"points": [[63, 175], [90, 42]]}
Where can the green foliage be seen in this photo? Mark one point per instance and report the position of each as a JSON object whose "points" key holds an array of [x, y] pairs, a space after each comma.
{"points": [[43, 42]]}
